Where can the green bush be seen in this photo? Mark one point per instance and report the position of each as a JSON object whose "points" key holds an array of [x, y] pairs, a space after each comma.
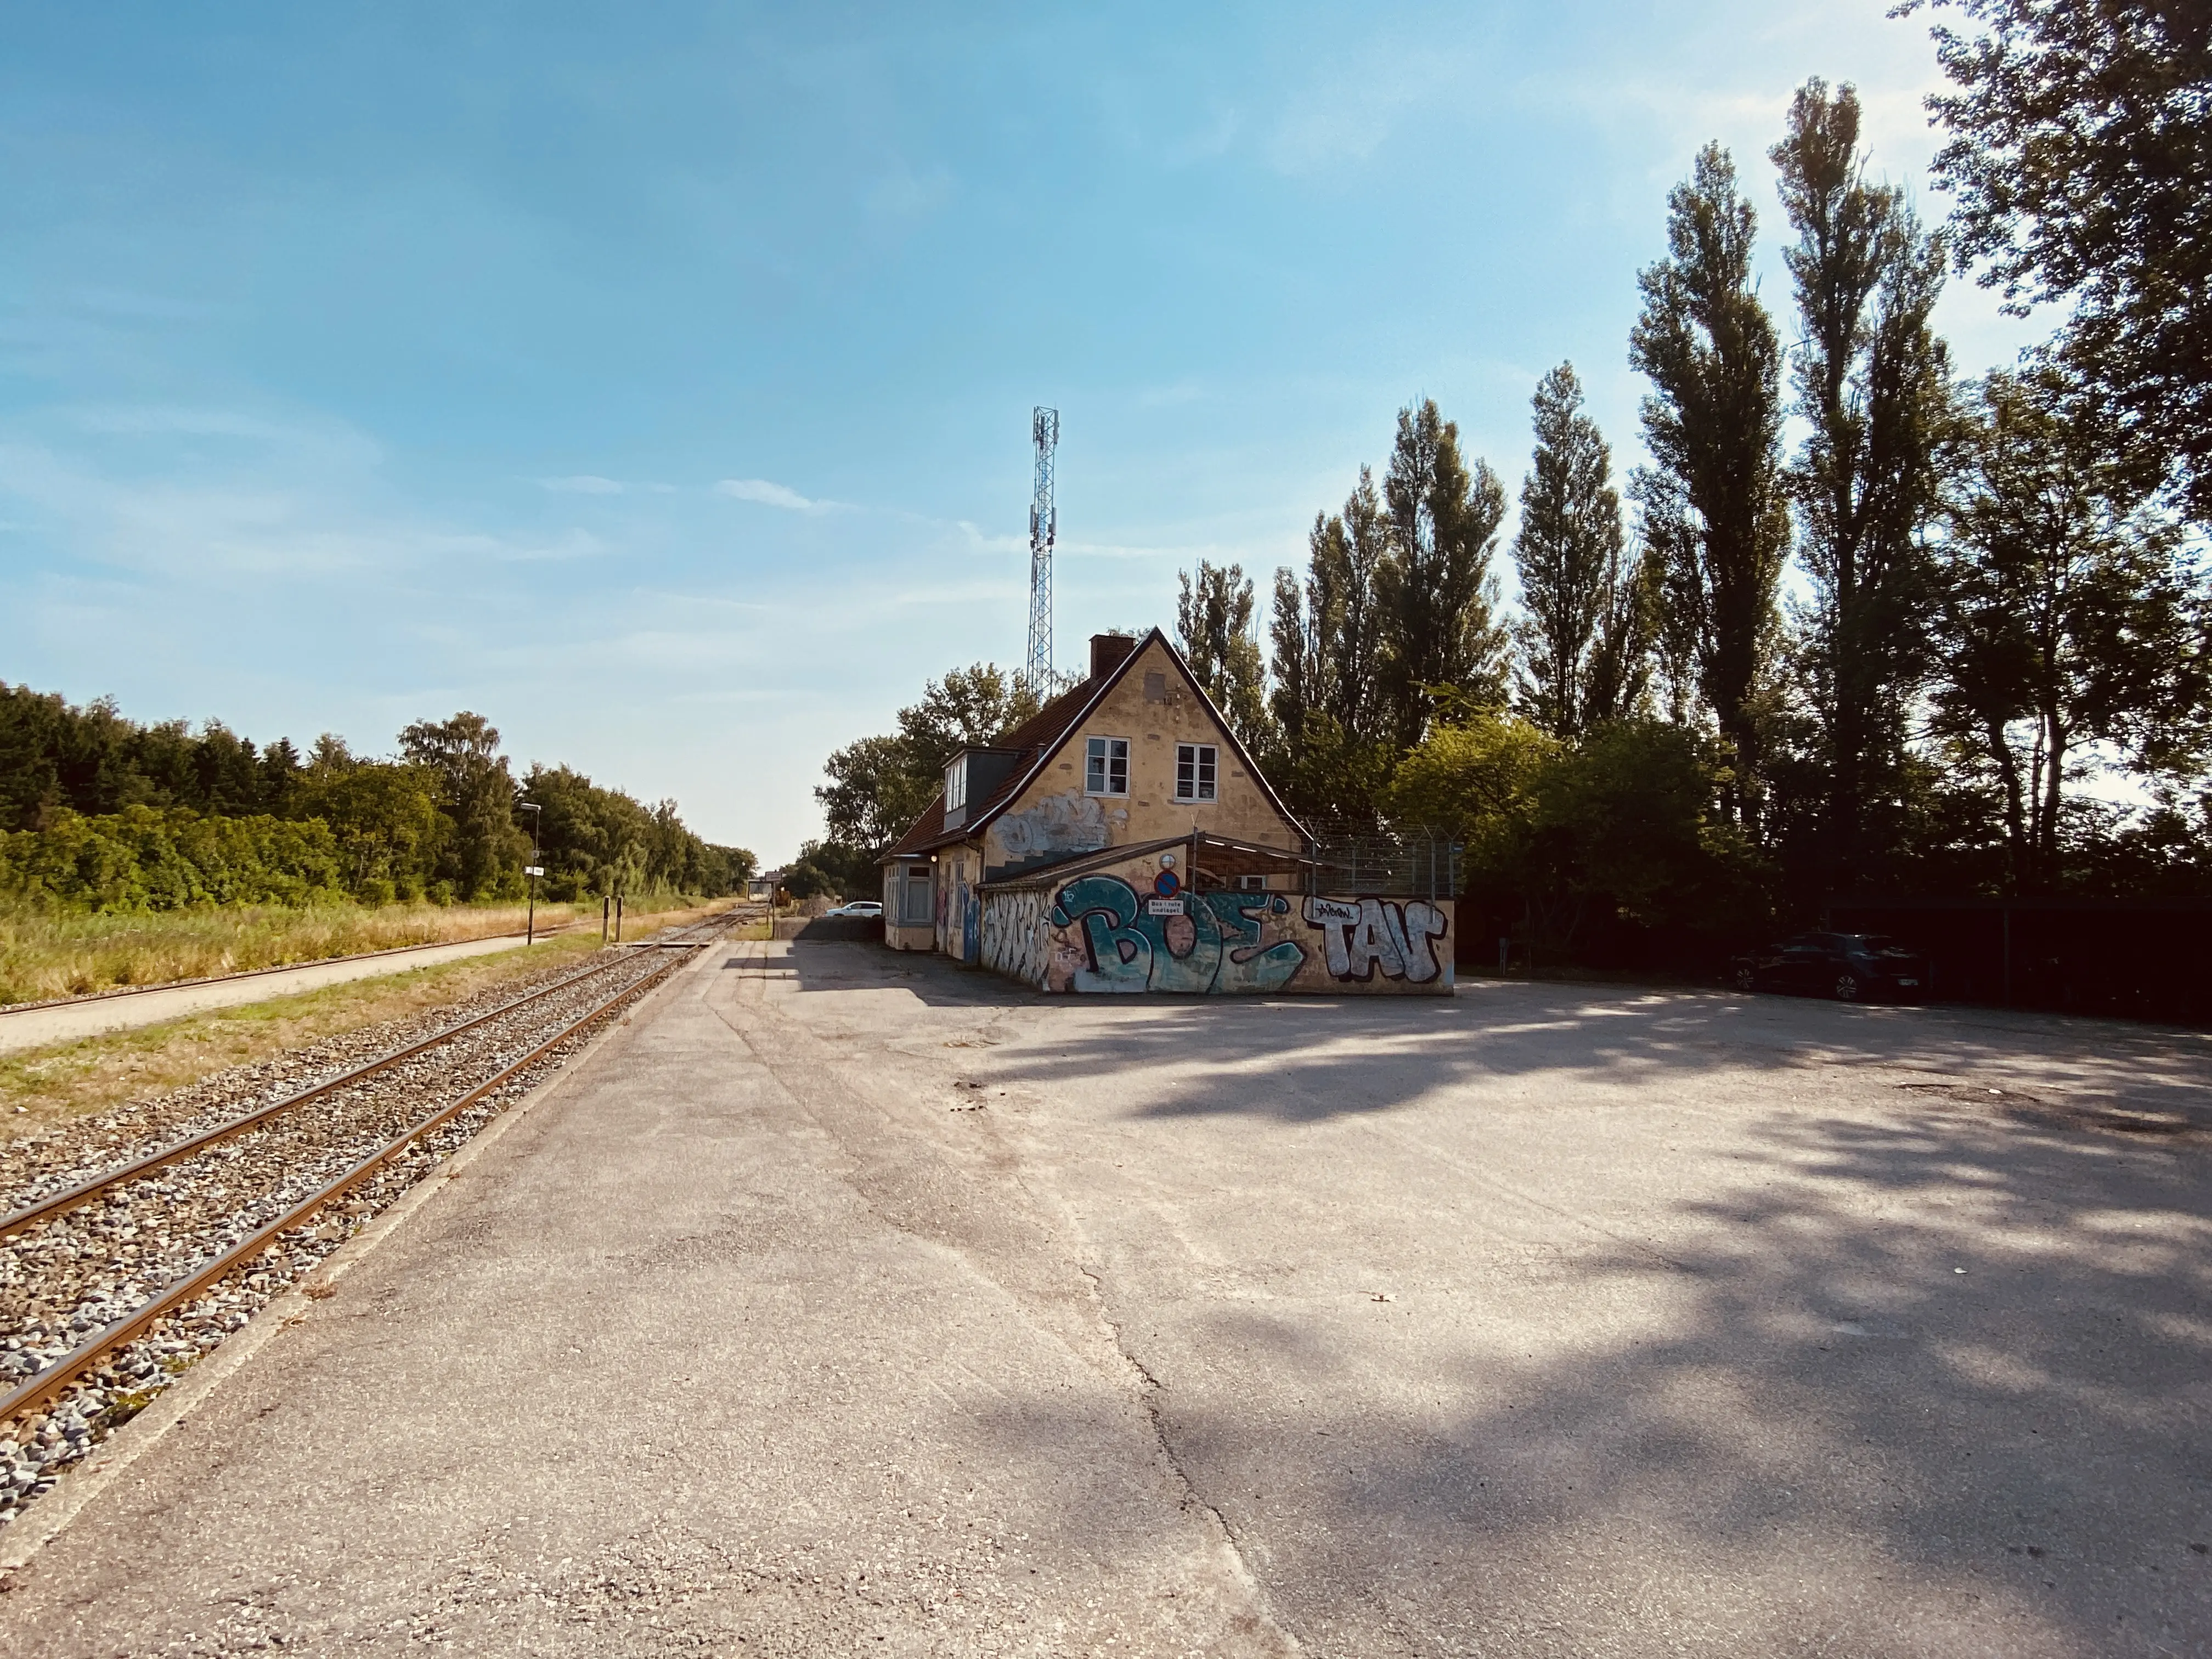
{"points": [[144, 858]]}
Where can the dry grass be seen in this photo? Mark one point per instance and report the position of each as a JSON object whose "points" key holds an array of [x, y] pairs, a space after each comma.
{"points": [[44, 956], [41, 1087]]}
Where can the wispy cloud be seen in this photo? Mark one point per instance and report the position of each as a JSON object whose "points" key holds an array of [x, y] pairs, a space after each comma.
{"points": [[575, 544], [983, 543], [583, 484], [772, 495], [1359, 102], [902, 193]]}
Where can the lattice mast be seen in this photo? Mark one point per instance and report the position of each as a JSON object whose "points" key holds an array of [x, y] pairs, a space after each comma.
{"points": [[1044, 432]]}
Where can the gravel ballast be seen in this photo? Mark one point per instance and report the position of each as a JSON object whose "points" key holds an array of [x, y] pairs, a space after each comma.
{"points": [[66, 1278]]}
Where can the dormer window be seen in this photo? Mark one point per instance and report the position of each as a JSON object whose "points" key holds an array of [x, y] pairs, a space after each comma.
{"points": [[969, 778]]}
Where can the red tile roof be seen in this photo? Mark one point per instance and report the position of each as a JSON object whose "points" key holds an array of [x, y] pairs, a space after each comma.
{"points": [[1026, 741]]}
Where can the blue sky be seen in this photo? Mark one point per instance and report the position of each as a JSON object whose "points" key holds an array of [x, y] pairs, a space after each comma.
{"points": [[657, 380]]}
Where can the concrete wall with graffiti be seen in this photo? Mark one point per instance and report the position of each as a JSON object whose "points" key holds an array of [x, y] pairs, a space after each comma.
{"points": [[1130, 930]]}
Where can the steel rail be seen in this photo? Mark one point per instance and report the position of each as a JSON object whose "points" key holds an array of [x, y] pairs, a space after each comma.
{"points": [[41, 1389], [70, 1198]]}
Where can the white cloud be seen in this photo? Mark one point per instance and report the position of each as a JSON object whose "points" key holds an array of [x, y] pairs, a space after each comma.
{"points": [[771, 494], [583, 484]]}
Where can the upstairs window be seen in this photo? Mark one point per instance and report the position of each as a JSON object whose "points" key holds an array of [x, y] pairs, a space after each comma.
{"points": [[956, 784], [1194, 770], [1106, 766]]}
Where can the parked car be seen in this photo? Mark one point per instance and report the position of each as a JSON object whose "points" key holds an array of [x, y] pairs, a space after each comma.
{"points": [[1849, 967], [857, 908]]}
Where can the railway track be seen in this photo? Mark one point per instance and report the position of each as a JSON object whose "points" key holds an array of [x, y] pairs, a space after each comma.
{"points": [[112, 1284]]}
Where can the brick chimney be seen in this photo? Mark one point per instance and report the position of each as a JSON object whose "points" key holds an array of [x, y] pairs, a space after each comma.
{"points": [[1109, 652]]}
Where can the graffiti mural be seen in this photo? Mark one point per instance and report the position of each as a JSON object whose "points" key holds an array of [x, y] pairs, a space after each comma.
{"points": [[1104, 932], [1056, 828], [1105, 937], [1362, 935]]}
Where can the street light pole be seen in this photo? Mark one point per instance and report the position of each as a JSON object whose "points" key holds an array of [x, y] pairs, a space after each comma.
{"points": [[537, 817]]}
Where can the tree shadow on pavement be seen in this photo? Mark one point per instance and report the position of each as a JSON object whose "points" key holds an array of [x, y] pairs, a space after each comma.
{"points": [[1326, 1059], [1928, 1380]]}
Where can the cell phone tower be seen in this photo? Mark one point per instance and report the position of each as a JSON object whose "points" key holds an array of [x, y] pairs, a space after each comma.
{"points": [[1044, 524]]}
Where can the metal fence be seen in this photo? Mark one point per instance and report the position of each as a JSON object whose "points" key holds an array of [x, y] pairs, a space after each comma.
{"points": [[1389, 863]]}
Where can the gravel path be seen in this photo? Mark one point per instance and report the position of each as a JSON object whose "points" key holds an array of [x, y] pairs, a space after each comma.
{"points": [[63, 1280]]}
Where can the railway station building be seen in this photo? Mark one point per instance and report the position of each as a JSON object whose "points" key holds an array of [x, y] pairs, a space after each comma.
{"points": [[1123, 840]]}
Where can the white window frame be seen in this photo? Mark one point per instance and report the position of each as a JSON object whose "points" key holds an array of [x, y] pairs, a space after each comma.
{"points": [[1099, 756], [1203, 762], [955, 784]]}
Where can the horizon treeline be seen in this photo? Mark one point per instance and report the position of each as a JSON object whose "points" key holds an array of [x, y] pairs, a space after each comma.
{"points": [[98, 812]]}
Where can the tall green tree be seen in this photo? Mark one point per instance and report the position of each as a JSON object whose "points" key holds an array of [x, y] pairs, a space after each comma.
{"points": [[2081, 154], [876, 789], [385, 818], [1584, 640], [477, 792], [1715, 501], [977, 704], [879, 786], [2070, 614], [1327, 631], [1873, 385], [1214, 625], [1437, 595]]}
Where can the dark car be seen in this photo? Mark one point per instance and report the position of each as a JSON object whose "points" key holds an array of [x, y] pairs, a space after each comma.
{"points": [[1849, 967]]}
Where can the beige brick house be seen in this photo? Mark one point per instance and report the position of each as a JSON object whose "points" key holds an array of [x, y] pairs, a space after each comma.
{"points": [[1124, 840]]}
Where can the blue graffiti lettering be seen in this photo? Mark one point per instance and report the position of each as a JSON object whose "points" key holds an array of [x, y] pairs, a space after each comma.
{"points": [[1196, 943]]}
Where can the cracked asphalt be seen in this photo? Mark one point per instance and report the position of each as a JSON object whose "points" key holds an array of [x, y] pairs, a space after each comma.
{"points": [[847, 1302]]}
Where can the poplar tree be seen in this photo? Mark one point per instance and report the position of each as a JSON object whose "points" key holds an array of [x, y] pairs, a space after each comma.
{"points": [[1214, 626], [1327, 633], [1437, 596], [1715, 502], [1584, 641], [1872, 382], [1328, 640]]}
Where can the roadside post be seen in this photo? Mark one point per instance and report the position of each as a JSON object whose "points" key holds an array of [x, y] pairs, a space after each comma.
{"points": [[533, 869]]}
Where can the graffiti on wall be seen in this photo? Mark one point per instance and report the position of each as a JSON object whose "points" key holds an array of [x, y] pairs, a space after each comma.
{"points": [[1056, 828], [1104, 938], [1100, 932], [1360, 936]]}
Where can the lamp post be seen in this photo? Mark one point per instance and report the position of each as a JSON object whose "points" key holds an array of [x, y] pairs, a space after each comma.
{"points": [[537, 817]]}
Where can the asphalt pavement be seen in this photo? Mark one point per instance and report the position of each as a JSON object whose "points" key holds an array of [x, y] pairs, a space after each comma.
{"points": [[850, 1303]]}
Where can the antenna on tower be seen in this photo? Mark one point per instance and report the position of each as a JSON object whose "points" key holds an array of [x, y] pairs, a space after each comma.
{"points": [[1044, 431]]}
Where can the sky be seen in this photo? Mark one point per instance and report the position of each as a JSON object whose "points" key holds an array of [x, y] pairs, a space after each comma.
{"points": [[657, 380]]}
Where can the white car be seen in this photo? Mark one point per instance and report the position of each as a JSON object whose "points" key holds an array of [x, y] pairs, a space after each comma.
{"points": [[857, 908]]}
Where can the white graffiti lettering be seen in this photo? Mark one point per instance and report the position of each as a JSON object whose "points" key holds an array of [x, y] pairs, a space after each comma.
{"points": [[1358, 936]]}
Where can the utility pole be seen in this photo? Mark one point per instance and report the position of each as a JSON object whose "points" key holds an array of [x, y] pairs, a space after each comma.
{"points": [[537, 817], [1044, 526]]}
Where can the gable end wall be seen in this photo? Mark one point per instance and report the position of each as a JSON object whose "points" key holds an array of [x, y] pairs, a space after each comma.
{"points": [[1053, 818]]}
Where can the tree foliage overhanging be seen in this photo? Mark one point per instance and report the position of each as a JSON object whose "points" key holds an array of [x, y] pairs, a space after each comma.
{"points": [[98, 812]]}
